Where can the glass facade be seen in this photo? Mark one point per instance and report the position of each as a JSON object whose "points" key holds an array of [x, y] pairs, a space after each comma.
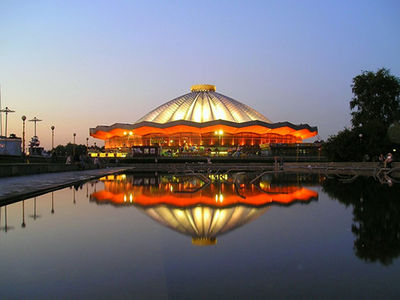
{"points": [[193, 139]]}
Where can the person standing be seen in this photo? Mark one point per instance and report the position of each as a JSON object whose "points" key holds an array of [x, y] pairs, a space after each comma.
{"points": [[388, 161]]}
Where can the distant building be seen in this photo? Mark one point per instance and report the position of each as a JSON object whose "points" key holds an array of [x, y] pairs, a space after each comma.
{"points": [[34, 147], [10, 146], [200, 119]]}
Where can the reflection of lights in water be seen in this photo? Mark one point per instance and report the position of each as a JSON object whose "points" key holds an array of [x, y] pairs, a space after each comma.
{"points": [[130, 198], [219, 198], [219, 177], [203, 223], [205, 213], [265, 185], [220, 194]]}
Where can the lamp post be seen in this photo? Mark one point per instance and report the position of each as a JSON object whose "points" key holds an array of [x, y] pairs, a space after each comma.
{"points": [[23, 134], [35, 120], [7, 111], [52, 137], [73, 149]]}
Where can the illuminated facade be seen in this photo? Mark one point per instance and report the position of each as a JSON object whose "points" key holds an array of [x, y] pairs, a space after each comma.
{"points": [[205, 118], [191, 207]]}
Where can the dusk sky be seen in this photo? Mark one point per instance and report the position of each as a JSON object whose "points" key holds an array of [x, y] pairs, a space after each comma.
{"points": [[79, 64]]}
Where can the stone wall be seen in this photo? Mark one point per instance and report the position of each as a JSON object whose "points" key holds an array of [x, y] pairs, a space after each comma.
{"points": [[7, 170]]}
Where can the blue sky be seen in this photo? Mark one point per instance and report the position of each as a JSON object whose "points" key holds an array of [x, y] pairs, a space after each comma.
{"points": [[78, 64]]}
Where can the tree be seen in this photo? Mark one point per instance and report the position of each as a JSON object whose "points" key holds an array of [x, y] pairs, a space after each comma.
{"points": [[68, 149], [343, 146], [375, 110], [394, 132], [376, 99]]}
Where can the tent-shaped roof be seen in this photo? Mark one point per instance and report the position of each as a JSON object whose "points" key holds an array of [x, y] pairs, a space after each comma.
{"points": [[201, 105]]}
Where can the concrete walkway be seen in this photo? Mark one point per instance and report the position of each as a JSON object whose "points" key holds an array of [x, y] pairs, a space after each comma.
{"points": [[22, 187]]}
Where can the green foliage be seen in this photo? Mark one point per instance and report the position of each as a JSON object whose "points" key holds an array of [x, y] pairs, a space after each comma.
{"points": [[343, 146], [394, 132], [69, 149], [375, 107], [376, 98]]}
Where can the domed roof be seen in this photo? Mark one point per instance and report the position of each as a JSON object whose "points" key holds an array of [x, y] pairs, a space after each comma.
{"points": [[201, 105]]}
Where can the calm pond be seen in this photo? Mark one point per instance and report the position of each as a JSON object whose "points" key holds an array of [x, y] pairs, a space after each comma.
{"points": [[164, 236]]}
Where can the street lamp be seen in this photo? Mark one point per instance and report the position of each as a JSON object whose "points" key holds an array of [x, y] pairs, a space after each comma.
{"points": [[52, 137], [73, 147], [23, 134], [7, 111], [35, 120], [360, 136]]}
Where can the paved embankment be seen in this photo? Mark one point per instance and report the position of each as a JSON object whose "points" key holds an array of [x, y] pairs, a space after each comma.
{"points": [[18, 169], [22, 187]]}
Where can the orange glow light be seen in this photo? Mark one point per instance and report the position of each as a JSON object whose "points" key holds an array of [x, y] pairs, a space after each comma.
{"points": [[146, 196]]}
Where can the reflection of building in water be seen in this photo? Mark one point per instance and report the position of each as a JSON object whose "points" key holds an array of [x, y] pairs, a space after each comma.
{"points": [[202, 222], [202, 210]]}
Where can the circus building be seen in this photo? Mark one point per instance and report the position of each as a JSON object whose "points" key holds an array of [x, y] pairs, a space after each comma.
{"points": [[202, 118], [193, 208]]}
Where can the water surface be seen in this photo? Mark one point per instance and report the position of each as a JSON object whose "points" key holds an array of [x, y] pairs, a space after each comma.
{"points": [[166, 236]]}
